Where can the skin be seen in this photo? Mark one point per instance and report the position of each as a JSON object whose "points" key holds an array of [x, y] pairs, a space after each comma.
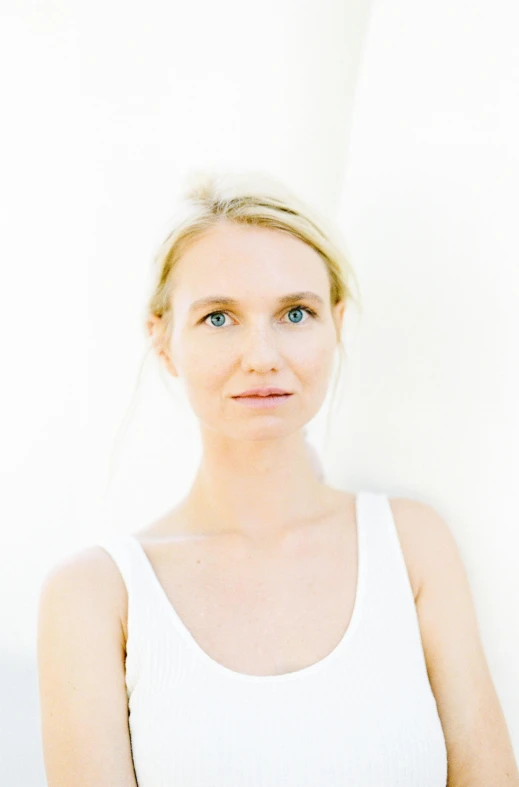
{"points": [[257, 478]]}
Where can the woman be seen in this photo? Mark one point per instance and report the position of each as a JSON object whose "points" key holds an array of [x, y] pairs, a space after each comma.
{"points": [[270, 629]]}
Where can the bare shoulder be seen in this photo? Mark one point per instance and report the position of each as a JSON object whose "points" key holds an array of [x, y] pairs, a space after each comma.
{"points": [[426, 539], [409, 516], [89, 573]]}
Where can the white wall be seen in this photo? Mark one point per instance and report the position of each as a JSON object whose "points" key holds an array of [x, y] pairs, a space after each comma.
{"points": [[106, 106]]}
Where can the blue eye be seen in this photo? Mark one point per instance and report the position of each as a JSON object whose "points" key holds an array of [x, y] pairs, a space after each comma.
{"points": [[217, 314], [293, 309], [296, 309]]}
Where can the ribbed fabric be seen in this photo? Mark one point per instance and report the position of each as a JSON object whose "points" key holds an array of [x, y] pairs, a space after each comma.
{"points": [[363, 716]]}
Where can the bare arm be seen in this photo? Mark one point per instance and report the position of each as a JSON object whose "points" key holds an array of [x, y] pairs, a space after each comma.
{"points": [[81, 674], [479, 748]]}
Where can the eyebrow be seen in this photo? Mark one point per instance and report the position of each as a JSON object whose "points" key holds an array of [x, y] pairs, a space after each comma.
{"points": [[224, 300]]}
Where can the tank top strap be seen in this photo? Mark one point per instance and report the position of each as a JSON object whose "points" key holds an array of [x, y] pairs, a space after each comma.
{"points": [[119, 548], [135, 569], [388, 566], [391, 617], [141, 600], [382, 545]]}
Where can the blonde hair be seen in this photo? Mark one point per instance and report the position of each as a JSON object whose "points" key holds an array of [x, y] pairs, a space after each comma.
{"points": [[245, 198]]}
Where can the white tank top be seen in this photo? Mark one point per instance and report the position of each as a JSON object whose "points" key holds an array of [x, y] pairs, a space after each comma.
{"points": [[364, 715]]}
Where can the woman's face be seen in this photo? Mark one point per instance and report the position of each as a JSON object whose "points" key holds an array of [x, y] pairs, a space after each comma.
{"points": [[221, 349]]}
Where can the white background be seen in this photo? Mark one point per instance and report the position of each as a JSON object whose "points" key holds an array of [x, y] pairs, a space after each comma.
{"points": [[400, 120]]}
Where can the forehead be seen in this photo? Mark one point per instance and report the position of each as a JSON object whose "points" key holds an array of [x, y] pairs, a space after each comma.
{"points": [[230, 254]]}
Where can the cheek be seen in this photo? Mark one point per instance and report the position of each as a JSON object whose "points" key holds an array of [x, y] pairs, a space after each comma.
{"points": [[206, 370], [318, 373], [200, 360], [312, 359]]}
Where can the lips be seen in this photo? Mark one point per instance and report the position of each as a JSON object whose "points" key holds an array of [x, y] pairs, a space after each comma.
{"points": [[260, 396], [264, 392], [263, 402]]}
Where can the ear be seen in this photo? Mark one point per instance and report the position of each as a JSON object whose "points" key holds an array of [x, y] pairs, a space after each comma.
{"points": [[338, 316], [156, 329]]}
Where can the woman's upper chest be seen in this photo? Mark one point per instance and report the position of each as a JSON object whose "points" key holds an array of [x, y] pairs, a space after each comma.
{"points": [[264, 610], [261, 610]]}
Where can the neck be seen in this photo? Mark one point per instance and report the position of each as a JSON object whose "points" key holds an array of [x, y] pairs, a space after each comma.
{"points": [[257, 489]]}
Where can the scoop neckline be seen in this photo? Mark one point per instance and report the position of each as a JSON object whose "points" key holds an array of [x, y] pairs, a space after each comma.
{"points": [[311, 669]]}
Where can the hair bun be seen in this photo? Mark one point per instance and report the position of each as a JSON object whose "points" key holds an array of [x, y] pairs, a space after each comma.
{"points": [[209, 185]]}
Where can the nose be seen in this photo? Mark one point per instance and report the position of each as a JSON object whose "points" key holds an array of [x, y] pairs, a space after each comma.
{"points": [[260, 350]]}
